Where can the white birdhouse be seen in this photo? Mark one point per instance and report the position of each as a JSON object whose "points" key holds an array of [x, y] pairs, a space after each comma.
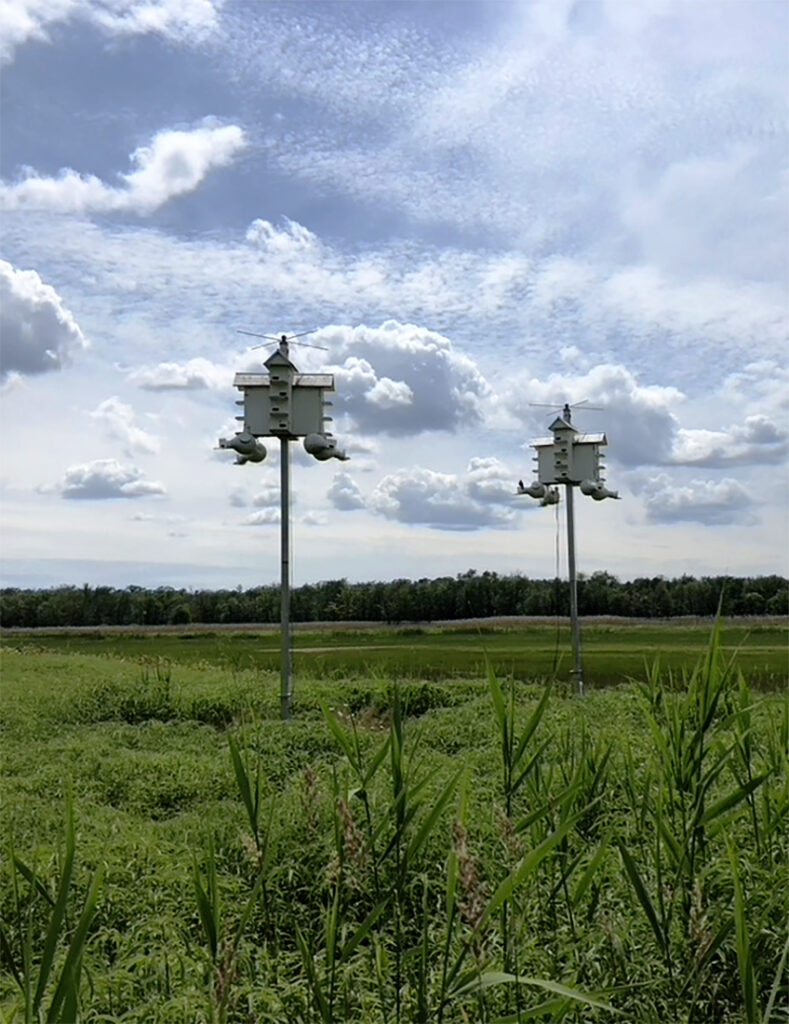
{"points": [[568, 457], [284, 402]]}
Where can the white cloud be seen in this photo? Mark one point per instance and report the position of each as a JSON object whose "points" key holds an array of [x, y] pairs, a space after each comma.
{"points": [[714, 215], [315, 519], [175, 163], [106, 478], [266, 517], [638, 418], [763, 385], [532, 131], [390, 394], [482, 497], [402, 379], [641, 423], [268, 493], [639, 315], [489, 480], [294, 241], [119, 421], [344, 494], [757, 440], [178, 20], [37, 332], [713, 503], [21, 20], [194, 375]]}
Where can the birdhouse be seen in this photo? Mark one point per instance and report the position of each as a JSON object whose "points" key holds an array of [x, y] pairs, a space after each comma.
{"points": [[568, 456], [283, 402]]}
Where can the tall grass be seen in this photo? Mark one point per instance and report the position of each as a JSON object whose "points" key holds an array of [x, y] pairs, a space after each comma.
{"points": [[48, 977], [485, 851]]}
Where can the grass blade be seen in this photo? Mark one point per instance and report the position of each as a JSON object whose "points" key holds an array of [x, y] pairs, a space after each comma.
{"points": [[643, 895], [480, 982], [430, 819], [67, 991], [583, 882], [341, 736], [8, 957], [58, 911], [526, 867], [33, 879], [251, 803], [768, 1011], [744, 958], [732, 799], [363, 930], [312, 977]]}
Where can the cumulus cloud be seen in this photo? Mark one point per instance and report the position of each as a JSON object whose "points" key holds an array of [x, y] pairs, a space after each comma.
{"points": [[37, 332], [175, 163], [757, 440], [119, 422], [193, 375], [714, 503], [178, 20], [106, 478], [638, 416], [344, 494], [482, 497], [315, 519], [268, 495], [266, 517], [292, 240], [641, 423], [401, 379]]}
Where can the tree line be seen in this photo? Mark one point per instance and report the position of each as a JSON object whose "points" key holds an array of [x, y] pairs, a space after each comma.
{"points": [[468, 595]]}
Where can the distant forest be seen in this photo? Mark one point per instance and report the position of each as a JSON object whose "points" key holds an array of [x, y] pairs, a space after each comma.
{"points": [[468, 595]]}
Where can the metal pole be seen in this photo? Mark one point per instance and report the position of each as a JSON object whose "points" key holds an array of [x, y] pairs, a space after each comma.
{"points": [[285, 674], [577, 671]]}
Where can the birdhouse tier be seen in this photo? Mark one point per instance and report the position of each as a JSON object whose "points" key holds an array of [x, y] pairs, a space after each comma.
{"points": [[568, 457], [284, 403]]}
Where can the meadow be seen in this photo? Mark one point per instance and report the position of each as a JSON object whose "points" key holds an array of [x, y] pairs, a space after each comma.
{"points": [[442, 833]]}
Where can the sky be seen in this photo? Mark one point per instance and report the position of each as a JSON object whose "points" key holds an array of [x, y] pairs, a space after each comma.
{"points": [[481, 210]]}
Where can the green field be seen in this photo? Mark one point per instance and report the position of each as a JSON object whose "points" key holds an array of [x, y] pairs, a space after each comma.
{"points": [[421, 842], [613, 651]]}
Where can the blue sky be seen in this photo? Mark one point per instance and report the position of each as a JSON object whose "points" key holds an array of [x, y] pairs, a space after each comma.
{"points": [[478, 207]]}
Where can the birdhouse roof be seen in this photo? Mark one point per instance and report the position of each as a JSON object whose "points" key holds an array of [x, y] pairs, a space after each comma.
{"points": [[561, 424], [277, 359]]}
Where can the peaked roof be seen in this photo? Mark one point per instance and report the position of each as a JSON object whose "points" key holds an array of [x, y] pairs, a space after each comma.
{"points": [[278, 359], [561, 424]]}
